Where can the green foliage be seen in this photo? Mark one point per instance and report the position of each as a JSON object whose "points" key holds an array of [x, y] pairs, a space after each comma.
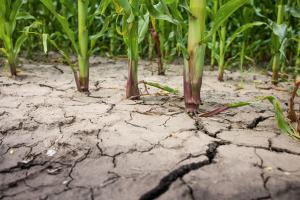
{"points": [[161, 87], [282, 122], [10, 13]]}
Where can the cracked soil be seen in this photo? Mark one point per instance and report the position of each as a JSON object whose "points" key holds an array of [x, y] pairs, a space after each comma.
{"points": [[56, 143]]}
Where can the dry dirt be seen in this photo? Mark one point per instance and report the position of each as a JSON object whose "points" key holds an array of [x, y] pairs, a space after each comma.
{"points": [[58, 144]]}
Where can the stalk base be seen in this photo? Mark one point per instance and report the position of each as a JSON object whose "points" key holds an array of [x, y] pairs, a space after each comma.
{"points": [[221, 77], [156, 39], [275, 78], [84, 84], [191, 107], [132, 89], [13, 70]]}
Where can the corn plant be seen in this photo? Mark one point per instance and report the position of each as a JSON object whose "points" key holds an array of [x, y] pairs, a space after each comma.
{"points": [[10, 13], [129, 10], [197, 41], [297, 68], [278, 40], [295, 12], [226, 41], [157, 44], [135, 22], [85, 44], [246, 17]]}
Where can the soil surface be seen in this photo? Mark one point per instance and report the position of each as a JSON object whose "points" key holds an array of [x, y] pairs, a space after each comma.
{"points": [[56, 143]]}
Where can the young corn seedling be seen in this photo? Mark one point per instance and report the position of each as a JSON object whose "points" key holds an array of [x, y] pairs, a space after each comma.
{"points": [[9, 15], [281, 34], [246, 17], [277, 41], [226, 41], [85, 43], [130, 11], [197, 40], [135, 22]]}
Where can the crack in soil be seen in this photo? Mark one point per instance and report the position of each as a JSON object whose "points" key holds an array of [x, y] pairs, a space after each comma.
{"points": [[200, 127], [14, 128], [132, 124], [58, 69], [110, 180], [133, 150], [190, 189], [51, 87], [180, 172], [170, 105], [256, 121], [264, 178], [82, 158], [3, 113]]}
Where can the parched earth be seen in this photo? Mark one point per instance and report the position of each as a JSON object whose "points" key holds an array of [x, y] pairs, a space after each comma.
{"points": [[58, 144]]}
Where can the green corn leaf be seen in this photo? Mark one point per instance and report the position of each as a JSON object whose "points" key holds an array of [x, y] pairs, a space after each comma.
{"points": [[24, 16], [143, 27], [295, 12], [4, 52], [241, 29], [282, 49], [283, 124], [224, 13], [104, 5], [125, 5], [162, 87], [14, 13], [23, 37], [63, 22], [159, 14], [239, 104], [280, 30], [94, 38], [62, 52]]}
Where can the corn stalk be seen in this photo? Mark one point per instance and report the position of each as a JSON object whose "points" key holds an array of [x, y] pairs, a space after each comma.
{"points": [[157, 44], [83, 37], [297, 71], [132, 89], [276, 62], [133, 32], [214, 37], [193, 68], [197, 41], [84, 44]]}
